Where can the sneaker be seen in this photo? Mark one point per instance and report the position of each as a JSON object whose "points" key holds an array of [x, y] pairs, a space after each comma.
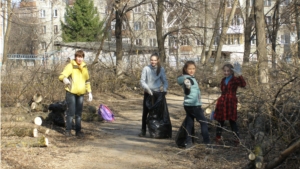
{"points": [[68, 134], [79, 134], [218, 139], [143, 133]]}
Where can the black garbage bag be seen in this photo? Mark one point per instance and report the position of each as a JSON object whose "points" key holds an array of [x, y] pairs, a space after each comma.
{"points": [[58, 118], [57, 114], [158, 121], [182, 134]]}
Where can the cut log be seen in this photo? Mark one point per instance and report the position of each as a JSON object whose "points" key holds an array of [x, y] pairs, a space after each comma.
{"points": [[37, 98], [38, 121], [283, 155], [38, 107], [21, 129], [33, 142], [35, 132]]}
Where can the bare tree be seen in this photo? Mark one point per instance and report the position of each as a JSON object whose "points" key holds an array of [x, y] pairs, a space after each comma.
{"points": [[223, 34], [203, 58], [261, 41], [297, 9], [248, 31], [7, 33]]}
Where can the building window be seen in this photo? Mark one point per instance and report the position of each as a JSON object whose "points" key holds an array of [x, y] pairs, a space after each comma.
{"points": [[43, 45], [236, 40], [42, 13], [44, 28], [267, 2], [268, 41], [184, 41], [139, 42], [216, 41], [285, 39], [253, 40], [200, 23], [237, 20], [55, 29], [151, 25], [137, 9], [149, 7], [229, 3], [285, 2], [124, 26], [55, 13], [112, 25], [152, 42], [268, 20], [137, 26], [199, 42]]}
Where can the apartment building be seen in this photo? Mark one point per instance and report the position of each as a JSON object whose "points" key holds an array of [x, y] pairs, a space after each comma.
{"points": [[139, 27]]}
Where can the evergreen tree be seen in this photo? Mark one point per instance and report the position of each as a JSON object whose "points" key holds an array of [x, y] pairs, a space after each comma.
{"points": [[82, 23]]}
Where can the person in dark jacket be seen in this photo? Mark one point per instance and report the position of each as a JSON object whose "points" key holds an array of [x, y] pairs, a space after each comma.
{"points": [[152, 79], [192, 103], [226, 107]]}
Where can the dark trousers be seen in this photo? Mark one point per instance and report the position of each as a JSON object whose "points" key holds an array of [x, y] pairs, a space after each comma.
{"points": [[145, 112], [233, 126], [196, 112], [75, 104]]}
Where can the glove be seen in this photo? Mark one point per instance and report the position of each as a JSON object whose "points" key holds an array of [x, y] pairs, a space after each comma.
{"points": [[90, 97], [187, 83], [237, 68], [149, 91], [66, 81]]}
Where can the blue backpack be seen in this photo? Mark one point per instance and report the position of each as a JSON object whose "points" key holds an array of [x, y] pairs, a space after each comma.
{"points": [[106, 113]]}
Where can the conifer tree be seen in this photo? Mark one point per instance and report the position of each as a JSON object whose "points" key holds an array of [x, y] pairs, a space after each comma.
{"points": [[82, 23]]}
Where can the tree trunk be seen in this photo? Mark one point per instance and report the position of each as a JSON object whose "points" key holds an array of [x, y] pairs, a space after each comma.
{"points": [[118, 35], [159, 34], [274, 31], [247, 33], [216, 29], [203, 58], [6, 35], [297, 6], [261, 42], [223, 35]]}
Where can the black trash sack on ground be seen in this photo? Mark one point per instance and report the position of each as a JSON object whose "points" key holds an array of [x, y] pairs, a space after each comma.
{"points": [[158, 121], [57, 114], [182, 134]]}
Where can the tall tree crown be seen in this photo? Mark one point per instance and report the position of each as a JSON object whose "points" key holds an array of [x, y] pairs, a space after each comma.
{"points": [[82, 23]]}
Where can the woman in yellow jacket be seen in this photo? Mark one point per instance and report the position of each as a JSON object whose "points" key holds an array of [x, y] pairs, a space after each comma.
{"points": [[75, 76]]}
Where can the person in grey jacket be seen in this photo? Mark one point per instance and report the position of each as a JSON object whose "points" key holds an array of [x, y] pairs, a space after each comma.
{"points": [[152, 79], [192, 103]]}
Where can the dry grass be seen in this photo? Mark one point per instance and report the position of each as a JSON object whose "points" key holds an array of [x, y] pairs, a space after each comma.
{"points": [[281, 99]]}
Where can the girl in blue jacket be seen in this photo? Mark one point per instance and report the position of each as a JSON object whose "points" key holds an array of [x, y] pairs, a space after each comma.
{"points": [[192, 102]]}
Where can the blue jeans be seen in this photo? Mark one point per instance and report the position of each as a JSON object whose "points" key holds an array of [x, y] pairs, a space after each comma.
{"points": [[196, 112], [75, 104]]}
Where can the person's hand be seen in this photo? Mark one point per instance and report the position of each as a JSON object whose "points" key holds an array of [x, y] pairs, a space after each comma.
{"points": [[90, 97], [187, 83], [149, 91], [237, 68], [66, 81]]}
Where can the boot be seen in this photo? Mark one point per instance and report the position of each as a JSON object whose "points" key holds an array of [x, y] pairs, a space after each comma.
{"points": [[79, 134], [68, 133], [143, 133]]}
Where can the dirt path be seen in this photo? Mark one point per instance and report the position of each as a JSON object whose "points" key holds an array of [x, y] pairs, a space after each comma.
{"points": [[117, 145], [123, 148]]}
